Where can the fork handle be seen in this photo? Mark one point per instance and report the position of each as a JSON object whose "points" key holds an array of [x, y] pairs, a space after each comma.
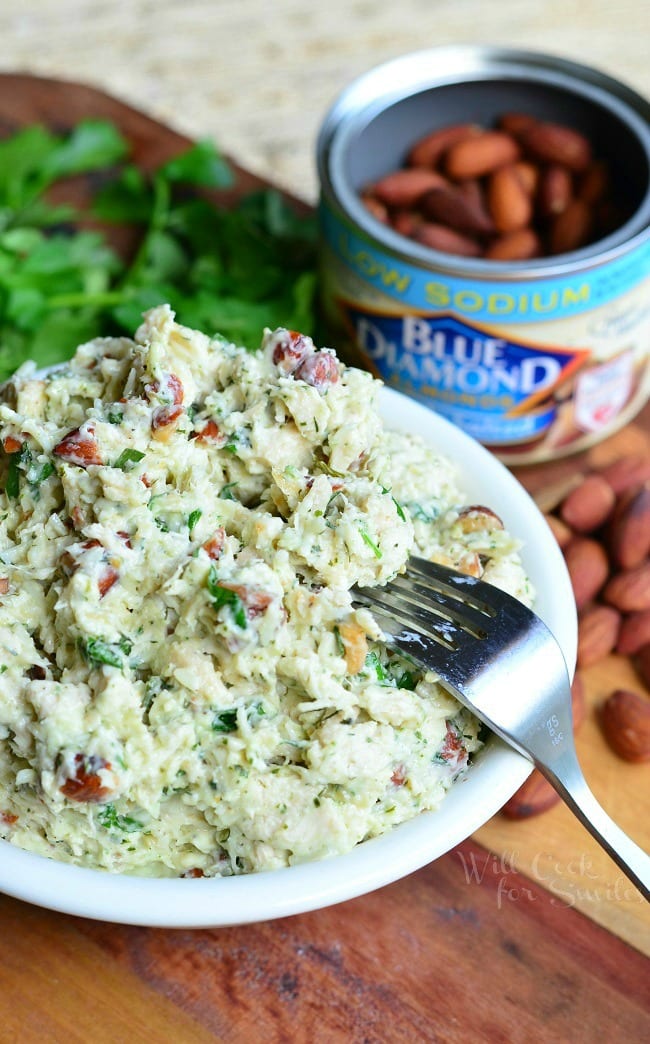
{"points": [[567, 778]]}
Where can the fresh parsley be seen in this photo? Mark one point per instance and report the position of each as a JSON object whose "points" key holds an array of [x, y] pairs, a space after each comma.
{"points": [[224, 596], [229, 269], [127, 458]]}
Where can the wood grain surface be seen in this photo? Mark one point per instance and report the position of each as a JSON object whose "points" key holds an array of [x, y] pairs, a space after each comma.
{"points": [[435, 957], [488, 942]]}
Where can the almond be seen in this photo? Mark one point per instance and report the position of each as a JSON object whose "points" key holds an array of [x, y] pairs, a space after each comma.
{"points": [[598, 629], [508, 201], [534, 796], [449, 206], [403, 188], [560, 530], [578, 703], [625, 720], [481, 155], [406, 222], [629, 531], [556, 143], [439, 237], [642, 664], [515, 122], [594, 183], [627, 472], [514, 246], [629, 590], [634, 633], [428, 150], [572, 228], [588, 568], [555, 191], [589, 505], [528, 174], [375, 207]]}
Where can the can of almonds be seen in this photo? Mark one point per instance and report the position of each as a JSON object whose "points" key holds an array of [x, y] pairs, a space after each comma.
{"points": [[485, 243]]}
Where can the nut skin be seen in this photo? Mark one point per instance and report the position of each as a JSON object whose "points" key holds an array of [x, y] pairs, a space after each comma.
{"points": [[509, 202], [403, 188], [627, 472], [588, 506], [534, 796], [481, 155], [625, 721], [642, 664], [556, 143], [555, 191], [572, 228], [440, 237], [562, 533], [514, 246], [634, 634], [628, 537], [588, 568], [598, 631], [430, 149], [450, 206], [629, 590]]}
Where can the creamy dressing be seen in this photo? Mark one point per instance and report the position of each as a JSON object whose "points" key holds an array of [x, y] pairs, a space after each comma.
{"points": [[186, 687]]}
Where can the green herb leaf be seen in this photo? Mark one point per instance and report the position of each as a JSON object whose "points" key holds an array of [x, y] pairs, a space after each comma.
{"points": [[194, 518], [224, 596], [202, 164], [128, 457], [112, 820], [99, 652], [225, 721]]}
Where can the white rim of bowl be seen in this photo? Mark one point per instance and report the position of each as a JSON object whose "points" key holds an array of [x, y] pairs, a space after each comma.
{"points": [[495, 774]]}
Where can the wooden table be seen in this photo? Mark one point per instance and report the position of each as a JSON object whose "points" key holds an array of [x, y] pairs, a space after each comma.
{"points": [[527, 932]]}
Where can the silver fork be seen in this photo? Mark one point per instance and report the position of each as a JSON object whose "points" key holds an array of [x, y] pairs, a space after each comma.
{"points": [[502, 662]]}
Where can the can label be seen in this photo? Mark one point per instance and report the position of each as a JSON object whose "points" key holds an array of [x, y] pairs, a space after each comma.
{"points": [[531, 366]]}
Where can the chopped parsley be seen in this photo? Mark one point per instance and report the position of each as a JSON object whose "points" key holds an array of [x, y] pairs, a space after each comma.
{"points": [[224, 596], [112, 820], [99, 652], [127, 458], [194, 518]]}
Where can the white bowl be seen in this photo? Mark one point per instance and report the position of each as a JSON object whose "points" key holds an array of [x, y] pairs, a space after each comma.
{"points": [[492, 778]]}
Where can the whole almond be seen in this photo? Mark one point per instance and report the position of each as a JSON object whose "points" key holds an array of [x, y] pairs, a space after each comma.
{"points": [[439, 237], [375, 207], [627, 472], [555, 191], [588, 568], [578, 702], [528, 174], [515, 122], [534, 796], [428, 150], [514, 246], [598, 629], [594, 183], [629, 590], [406, 222], [556, 143], [508, 201], [634, 633], [629, 530], [571, 229], [642, 664], [589, 505], [625, 720], [403, 188], [560, 530], [449, 206], [481, 155]]}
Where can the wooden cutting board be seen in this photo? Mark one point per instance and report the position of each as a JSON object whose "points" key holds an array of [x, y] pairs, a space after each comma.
{"points": [[489, 920]]}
